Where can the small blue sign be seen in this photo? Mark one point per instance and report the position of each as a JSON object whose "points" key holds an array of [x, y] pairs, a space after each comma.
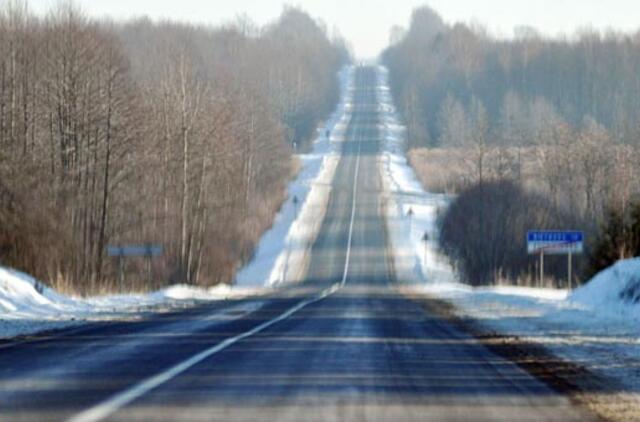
{"points": [[555, 242], [133, 251], [555, 236]]}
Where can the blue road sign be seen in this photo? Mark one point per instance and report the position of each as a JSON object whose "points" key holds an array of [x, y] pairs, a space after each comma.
{"points": [[133, 251], [555, 242]]}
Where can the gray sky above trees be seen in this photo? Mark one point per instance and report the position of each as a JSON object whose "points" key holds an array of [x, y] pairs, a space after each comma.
{"points": [[366, 23]]}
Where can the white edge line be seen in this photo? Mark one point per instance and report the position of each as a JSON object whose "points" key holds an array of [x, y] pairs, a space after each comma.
{"points": [[124, 398], [120, 400], [353, 215]]}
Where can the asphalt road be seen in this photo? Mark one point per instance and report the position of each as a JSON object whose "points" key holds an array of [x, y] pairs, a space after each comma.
{"points": [[342, 346]]}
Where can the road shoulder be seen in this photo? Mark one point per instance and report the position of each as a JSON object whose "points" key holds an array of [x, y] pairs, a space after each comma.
{"points": [[602, 396]]}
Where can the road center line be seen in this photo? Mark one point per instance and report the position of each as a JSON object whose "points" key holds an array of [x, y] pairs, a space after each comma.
{"points": [[126, 397]]}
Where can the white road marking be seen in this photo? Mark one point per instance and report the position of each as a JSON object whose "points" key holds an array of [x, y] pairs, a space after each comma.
{"points": [[353, 214], [126, 397], [117, 402]]}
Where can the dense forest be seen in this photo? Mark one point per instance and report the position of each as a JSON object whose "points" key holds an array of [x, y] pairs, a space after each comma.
{"points": [[559, 118], [151, 133]]}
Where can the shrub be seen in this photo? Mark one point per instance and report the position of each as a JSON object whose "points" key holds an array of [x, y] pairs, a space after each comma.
{"points": [[484, 232]]}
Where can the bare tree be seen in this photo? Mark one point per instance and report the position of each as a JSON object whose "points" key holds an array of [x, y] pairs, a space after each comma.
{"points": [[141, 133], [480, 147]]}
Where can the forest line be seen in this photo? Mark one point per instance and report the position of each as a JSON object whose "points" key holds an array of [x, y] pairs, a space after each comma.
{"points": [[548, 128], [146, 132]]}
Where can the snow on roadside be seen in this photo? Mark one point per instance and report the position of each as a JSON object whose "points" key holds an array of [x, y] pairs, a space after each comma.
{"points": [[597, 326], [601, 338], [27, 306], [281, 255], [615, 291], [411, 212]]}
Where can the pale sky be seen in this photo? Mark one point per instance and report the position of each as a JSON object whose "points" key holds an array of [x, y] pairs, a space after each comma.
{"points": [[366, 23]]}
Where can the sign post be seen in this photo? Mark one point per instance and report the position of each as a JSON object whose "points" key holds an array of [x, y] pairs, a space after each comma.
{"points": [[425, 239], [295, 201], [570, 270], [556, 243], [121, 270], [541, 284]]}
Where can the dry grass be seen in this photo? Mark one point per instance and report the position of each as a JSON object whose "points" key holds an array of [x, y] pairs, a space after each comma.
{"points": [[440, 170], [447, 170]]}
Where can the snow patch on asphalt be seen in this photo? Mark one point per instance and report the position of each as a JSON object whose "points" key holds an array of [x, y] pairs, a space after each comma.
{"points": [[597, 326], [281, 255]]}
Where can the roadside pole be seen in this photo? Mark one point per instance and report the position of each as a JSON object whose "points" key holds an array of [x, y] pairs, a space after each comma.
{"points": [[121, 271], [295, 201], [425, 240], [570, 270], [149, 269], [541, 268]]}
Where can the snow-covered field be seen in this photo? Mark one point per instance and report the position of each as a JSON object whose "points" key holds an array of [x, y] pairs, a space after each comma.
{"points": [[27, 306], [597, 326]]}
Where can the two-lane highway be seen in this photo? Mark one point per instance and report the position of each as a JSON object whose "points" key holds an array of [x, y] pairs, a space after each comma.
{"points": [[342, 346]]}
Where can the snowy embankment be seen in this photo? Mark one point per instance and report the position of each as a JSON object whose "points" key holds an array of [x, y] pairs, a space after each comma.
{"points": [[411, 212], [597, 326], [27, 306], [282, 253]]}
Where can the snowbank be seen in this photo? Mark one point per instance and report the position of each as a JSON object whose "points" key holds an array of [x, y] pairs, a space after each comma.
{"points": [[27, 306], [22, 296], [281, 255], [411, 212], [615, 291]]}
